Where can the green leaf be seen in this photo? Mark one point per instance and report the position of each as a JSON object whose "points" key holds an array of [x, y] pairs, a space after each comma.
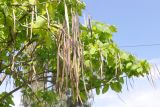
{"points": [[10, 101], [40, 22], [32, 2], [121, 80], [87, 63], [113, 28], [140, 70], [48, 40], [105, 89], [83, 96], [124, 55], [128, 65], [134, 67], [116, 86], [92, 50], [97, 91]]}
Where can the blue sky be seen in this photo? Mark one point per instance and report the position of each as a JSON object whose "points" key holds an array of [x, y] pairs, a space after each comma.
{"points": [[138, 22]]}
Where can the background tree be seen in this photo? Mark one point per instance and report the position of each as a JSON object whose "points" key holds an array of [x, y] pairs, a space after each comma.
{"points": [[49, 55]]}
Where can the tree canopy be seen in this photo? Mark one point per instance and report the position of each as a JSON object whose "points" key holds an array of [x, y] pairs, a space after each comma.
{"points": [[43, 42]]}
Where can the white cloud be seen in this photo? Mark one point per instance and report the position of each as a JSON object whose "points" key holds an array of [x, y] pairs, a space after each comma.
{"points": [[145, 96], [17, 98]]}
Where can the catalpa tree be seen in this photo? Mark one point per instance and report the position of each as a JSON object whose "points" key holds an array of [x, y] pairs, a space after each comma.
{"points": [[48, 55]]}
